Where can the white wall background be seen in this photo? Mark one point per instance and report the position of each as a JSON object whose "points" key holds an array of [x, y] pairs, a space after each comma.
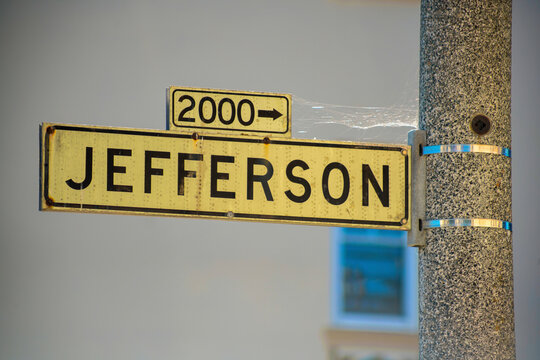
{"points": [[123, 287], [526, 175]]}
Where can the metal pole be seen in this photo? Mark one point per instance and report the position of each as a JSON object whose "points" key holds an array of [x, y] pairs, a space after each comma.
{"points": [[465, 269]]}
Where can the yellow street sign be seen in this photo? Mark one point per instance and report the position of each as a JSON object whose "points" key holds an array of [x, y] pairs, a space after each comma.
{"points": [[219, 111], [150, 172]]}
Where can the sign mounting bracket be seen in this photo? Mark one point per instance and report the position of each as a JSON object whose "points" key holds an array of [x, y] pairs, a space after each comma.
{"points": [[417, 236]]}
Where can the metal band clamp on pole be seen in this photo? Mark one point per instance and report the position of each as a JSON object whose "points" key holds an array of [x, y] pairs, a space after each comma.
{"points": [[466, 148], [491, 223]]}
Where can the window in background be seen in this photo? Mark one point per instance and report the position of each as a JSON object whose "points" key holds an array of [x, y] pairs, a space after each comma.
{"points": [[373, 280]]}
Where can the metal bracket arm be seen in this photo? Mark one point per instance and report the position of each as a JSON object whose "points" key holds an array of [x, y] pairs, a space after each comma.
{"points": [[417, 141]]}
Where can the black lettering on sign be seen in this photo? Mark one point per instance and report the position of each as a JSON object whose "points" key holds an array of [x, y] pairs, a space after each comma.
{"points": [[87, 175], [215, 176], [263, 179], [149, 170], [346, 183], [181, 116], [251, 112], [201, 110], [383, 194], [220, 111], [298, 180], [112, 169], [182, 173]]}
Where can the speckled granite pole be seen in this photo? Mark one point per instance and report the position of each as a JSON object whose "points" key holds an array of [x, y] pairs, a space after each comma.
{"points": [[465, 273]]}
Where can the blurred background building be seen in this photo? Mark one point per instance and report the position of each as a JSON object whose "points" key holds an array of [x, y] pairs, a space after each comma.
{"points": [[81, 286]]}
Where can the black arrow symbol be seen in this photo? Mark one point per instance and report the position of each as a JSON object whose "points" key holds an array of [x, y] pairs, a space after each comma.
{"points": [[274, 114]]}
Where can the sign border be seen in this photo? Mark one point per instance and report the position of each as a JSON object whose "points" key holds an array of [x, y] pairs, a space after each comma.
{"points": [[170, 97], [46, 202]]}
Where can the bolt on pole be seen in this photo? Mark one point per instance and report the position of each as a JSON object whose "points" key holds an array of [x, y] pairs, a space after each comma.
{"points": [[466, 297]]}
